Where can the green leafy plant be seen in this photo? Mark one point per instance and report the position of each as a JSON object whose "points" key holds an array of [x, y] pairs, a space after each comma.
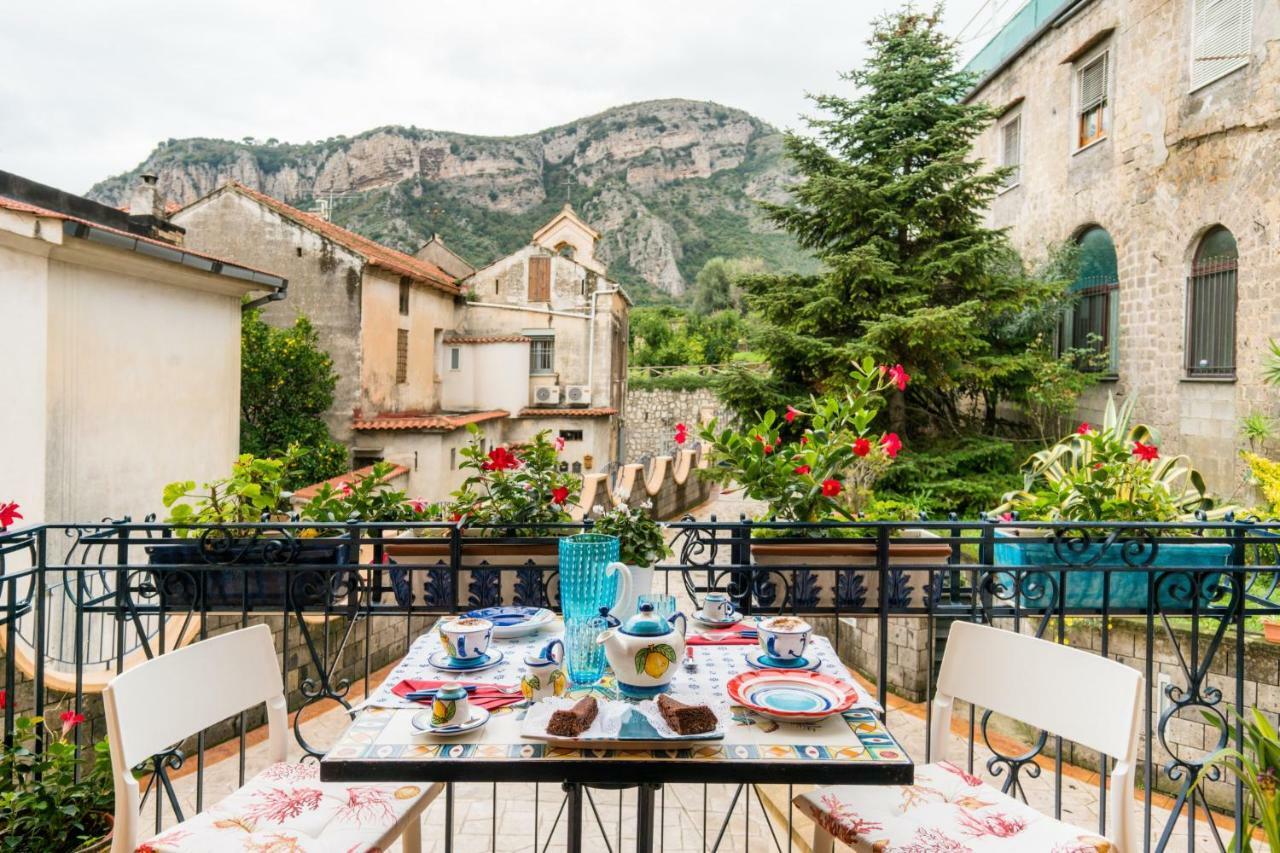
{"points": [[43, 806], [828, 472], [640, 539], [519, 489], [255, 491], [1271, 367], [1257, 429], [1266, 475], [1112, 472], [1255, 761], [368, 498]]}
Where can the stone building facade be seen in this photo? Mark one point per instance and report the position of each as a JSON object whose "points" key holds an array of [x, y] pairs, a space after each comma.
{"points": [[1149, 131], [652, 415]]}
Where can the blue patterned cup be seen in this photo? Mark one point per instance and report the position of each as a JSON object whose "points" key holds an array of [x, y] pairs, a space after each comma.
{"points": [[465, 639], [784, 638]]}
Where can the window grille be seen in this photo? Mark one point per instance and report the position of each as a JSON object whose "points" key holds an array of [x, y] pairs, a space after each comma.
{"points": [[1091, 324], [1012, 154], [542, 355], [1211, 307], [1093, 81], [1221, 31], [402, 356]]}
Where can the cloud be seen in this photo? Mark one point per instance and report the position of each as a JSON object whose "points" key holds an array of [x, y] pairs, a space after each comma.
{"points": [[93, 88]]}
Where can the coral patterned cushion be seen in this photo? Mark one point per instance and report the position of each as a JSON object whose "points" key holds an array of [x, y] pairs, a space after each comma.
{"points": [[945, 811], [286, 809]]}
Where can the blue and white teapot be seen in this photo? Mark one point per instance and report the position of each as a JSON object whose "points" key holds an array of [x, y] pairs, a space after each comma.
{"points": [[644, 652]]}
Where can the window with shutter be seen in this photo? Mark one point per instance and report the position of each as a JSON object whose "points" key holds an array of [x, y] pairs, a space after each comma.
{"points": [[1220, 34], [1092, 82], [539, 279], [1011, 156], [1211, 306], [402, 356]]}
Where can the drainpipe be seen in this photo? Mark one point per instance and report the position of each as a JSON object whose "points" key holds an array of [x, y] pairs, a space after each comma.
{"points": [[591, 334], [273, 296]]}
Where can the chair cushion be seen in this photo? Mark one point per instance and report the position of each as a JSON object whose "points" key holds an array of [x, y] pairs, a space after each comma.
{"points": [[286, 809], [946, 811]]}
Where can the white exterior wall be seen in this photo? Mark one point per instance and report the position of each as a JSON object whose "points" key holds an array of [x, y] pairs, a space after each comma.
{"points": [[489, 376], [24, 329]]}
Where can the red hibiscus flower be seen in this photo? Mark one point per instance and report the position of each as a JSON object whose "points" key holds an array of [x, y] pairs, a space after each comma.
{"points": [[891, 444], [4, 700], [1084, 428], [418, 505], [456, 517], [898, 375], [501, 459], [8, 514], [1006, 516], [802, 469], [861, 447], [768, 448], [804, 439], [559, 494], [559, 443], [790, 416], [70, 719], [831, 488], [345, 489], [1146, 452], [682, 433]]}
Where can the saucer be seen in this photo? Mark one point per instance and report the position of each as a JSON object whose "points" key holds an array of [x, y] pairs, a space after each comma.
{"points": [[717, 623], [759, 660], [421, 722], [440, 660]]}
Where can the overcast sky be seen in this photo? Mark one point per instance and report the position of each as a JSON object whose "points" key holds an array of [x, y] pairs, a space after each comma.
{"points": [[92, 86]]}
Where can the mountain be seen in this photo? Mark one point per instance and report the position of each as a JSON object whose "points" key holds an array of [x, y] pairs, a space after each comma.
{"points": [[668, 184]]}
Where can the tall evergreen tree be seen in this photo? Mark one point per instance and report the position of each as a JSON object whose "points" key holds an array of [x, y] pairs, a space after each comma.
{"points": [[892, 203]]}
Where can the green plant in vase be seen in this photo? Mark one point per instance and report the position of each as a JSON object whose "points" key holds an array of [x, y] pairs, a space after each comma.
{"points": [[255, 491], [641, 542], [370, 498]]}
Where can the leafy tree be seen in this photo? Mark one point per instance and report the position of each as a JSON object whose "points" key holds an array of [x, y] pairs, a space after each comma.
{"points": [[716, 289], [672, 336], [892, 203], [286, 385]]}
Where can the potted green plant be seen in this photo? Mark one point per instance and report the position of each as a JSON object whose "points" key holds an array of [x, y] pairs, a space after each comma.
{"points": [[511, 491], [1255, 761], [641, 542], [1111, 472], [826, 474], [237, 566], [43, 805]]}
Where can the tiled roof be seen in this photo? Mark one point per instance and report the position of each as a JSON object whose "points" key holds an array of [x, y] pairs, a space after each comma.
{"points": [[23, 207], [435, 422], [602, 412], [375, 254], [489, 339], [351, 477]]}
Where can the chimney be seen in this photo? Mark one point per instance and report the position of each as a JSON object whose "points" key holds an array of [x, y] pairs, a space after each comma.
{"points": [[147, 212]]}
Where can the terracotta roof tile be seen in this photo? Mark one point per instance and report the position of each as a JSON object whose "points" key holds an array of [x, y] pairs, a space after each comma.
{"points": [[23, 207], [433, 422], [375, 254], [489, 339], [351, 477], [568, 413]]}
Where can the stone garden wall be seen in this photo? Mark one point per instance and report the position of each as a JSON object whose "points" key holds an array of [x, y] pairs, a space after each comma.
{"points": [[652, 416]]}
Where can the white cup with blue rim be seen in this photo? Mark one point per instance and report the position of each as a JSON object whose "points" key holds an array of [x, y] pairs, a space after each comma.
{"points": [[466, 638], [717, 607], [783, 639]]}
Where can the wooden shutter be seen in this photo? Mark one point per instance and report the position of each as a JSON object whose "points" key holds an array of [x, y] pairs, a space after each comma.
{"points": [[1093, 84], [1012, 154], [1220, 36], [539, 279]]}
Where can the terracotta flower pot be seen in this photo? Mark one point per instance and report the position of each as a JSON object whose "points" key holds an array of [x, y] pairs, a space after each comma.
{"points": [[1271, 630]]}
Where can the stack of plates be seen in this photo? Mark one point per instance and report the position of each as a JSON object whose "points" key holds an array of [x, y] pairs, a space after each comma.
{"points": [[514, 621]]}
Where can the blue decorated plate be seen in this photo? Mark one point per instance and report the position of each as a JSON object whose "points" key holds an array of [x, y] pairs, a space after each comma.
{"points": [[514, 621]]}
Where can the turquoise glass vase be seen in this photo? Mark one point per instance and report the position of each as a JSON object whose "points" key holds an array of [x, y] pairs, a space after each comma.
{"points": [[591, 576]]}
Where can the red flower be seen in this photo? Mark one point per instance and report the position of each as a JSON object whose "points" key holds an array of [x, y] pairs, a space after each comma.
{"points": [[345, 488], [8, 513], [456, 517], [682, 433], [768, 448], [1006, 516], [791, 414], [4, 700], [802, 469], [418, 505], [891, 444], [831, 488], [559, 443], [1146, 452], [559, 494], [70, 719], [861, 447], [1084, 428], [501, 459], [899, 376], [804, 439], [760, 438]]}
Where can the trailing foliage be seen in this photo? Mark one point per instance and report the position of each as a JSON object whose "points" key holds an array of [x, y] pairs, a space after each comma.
{"points": [[286, 386], [254, 491]]}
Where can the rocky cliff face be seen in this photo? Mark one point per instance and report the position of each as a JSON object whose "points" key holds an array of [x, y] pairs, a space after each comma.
{"points": [[668, 183]]}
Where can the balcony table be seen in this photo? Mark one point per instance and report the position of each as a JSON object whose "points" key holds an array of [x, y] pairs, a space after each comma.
{"points": [[380, 745]]}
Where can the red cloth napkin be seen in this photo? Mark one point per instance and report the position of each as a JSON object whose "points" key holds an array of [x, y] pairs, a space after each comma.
{"points": [[720, 638], [487, 696]]}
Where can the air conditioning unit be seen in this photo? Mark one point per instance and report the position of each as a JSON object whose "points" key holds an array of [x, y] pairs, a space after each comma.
{"points": [[577, 395], [546, 395]]}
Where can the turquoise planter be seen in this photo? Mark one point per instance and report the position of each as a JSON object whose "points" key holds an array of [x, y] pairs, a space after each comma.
{"points": [[1084, 586]]}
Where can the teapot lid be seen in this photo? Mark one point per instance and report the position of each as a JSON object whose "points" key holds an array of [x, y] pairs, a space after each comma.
{"points": [[646, 623]]}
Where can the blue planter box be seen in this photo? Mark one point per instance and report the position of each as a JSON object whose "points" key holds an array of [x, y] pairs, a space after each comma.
{"points": [[1084, 586]]}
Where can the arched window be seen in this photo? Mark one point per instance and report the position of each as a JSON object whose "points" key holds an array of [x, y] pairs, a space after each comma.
{"points": [[1211, 306], [1093, 322]]}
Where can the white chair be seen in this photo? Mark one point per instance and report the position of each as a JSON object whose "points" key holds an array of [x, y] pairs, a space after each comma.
{"points": [[167, 699], [1090, 700]]}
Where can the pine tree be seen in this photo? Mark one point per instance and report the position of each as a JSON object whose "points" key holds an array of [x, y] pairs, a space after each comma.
{"points": [[892, 203]]}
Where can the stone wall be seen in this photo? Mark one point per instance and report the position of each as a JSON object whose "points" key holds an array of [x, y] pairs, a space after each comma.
{"points": [[652, 416], [1174, 163]]}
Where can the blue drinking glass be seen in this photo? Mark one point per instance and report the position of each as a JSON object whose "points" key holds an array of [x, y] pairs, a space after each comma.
{"points": [[583, 656], [663, 604], [586, 583]]}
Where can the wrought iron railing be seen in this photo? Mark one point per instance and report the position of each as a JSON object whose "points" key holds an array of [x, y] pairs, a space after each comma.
{"points": [[1178, 601]]}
